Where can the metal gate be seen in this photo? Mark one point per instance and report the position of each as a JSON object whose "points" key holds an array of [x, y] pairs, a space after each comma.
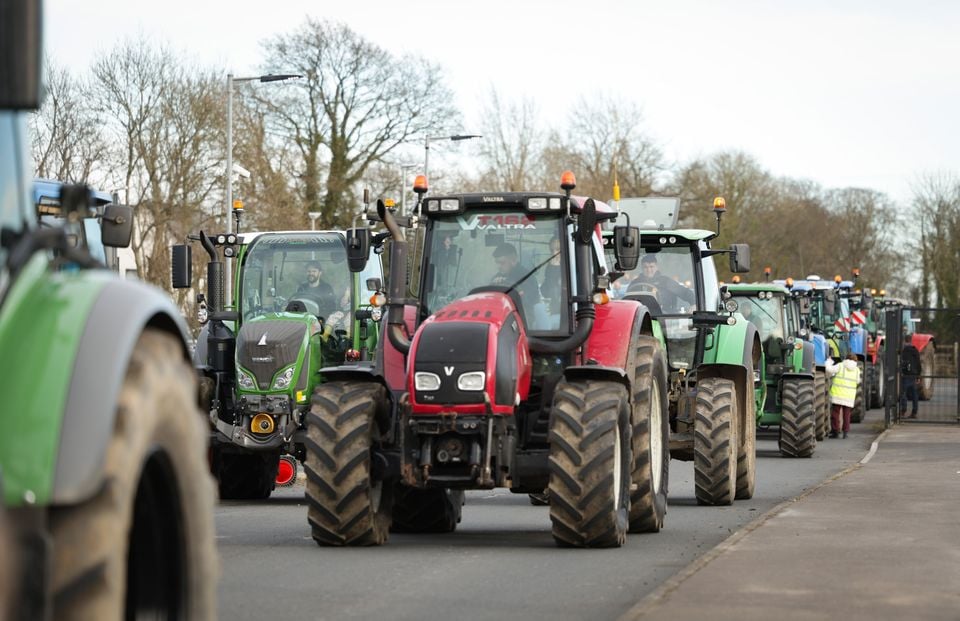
{"points": [[935, 332]]}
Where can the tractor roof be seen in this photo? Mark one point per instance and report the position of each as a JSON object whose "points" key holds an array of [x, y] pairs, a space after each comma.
{"points": [[247, 238], [753, 287], [435, 205]]}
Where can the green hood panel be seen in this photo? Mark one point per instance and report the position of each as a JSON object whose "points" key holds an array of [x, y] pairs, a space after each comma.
{"points": [[41, 324]]}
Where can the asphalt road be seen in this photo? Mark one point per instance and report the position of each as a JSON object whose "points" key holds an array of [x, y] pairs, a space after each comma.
{"points": [[501, 562]]}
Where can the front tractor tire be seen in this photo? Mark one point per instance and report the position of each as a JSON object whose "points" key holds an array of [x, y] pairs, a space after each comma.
{"points": [[822, 426], [590, 464], [651, 438], [928, 361], [434, 510], [798, 419], [859, 404], [143, 546], [346, 506], [715, 442]]}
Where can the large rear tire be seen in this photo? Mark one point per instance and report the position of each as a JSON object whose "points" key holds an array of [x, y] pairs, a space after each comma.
{"points": [[857, 413], [880, 385], [715, 442], [249, 475], [822, 425], [590, 464], [798, 418], [143, 546], [651, 438], [346, 506], [434, 510]]}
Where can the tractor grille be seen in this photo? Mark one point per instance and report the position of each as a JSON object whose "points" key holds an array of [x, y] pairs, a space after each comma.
{"points": [[265, 347]]}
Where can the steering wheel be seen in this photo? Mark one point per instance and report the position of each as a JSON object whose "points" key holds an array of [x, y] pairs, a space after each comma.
{"points": [[642, 287]]}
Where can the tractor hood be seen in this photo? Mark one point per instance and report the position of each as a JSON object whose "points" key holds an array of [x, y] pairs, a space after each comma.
{"points": [[270, 344], [471, 356]]}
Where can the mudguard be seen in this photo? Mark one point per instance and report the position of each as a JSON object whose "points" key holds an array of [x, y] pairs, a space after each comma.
{"points": [[731, 357], [611, 340], [921, 340], [119, 315]]}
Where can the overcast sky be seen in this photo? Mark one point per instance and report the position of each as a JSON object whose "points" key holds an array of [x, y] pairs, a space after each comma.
{"points": [[855, 93]]}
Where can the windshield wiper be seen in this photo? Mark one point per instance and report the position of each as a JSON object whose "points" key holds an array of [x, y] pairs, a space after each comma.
{"points": [[532, 272]]}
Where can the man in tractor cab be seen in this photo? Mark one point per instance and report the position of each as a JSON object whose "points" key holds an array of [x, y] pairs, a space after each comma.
{"points": [[318, 290], [510, 273], [667, 291]]}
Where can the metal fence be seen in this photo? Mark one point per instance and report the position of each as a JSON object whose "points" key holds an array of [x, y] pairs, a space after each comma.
{"points": [[936, 334]]}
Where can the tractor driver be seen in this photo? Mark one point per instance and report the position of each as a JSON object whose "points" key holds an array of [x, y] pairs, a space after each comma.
{"points": [[316, 289], [667, 290], [510, 273]]}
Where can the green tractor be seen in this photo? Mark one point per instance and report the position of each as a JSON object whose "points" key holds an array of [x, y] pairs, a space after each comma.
{"points": [[298, 308], [792, 385], [714, 355], [104, 512]]}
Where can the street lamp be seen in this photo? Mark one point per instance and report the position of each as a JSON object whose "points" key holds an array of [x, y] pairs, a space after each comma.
{"points": [[403, 186], [229, 198], [429, 139]]}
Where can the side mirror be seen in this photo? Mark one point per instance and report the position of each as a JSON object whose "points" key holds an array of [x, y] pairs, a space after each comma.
{"points": [[587, 222], [626, 240], [181, 264], [20, 55], [739, 258], [374, 284], [117, 226], [358, 248]]}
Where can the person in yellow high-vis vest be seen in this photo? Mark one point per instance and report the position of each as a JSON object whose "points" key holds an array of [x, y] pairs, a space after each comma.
{"points": [[843, 392]]}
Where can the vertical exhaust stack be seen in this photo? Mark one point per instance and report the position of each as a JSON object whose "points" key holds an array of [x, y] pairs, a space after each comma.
{"points": [[398, 273], [215, 291]]}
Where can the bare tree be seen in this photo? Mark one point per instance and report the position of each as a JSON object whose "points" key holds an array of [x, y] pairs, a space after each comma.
{"points": [[511, 144], [164, 119], [66, 141], [604, 136], [936, 201], [355, 105]]}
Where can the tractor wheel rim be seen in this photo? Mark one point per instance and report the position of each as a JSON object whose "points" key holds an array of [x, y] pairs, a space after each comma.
{"points": [[656, 441]]}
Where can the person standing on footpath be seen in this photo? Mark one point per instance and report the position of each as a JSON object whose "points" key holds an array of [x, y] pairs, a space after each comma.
{"points": [[910, 371], [843, 392]]}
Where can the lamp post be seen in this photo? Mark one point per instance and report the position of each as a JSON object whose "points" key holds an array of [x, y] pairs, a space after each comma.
{"points": [[228, 207], [403, 186], [429, 139]]}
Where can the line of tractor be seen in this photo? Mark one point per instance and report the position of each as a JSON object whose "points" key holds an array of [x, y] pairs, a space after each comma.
{"points": [[550, 344]]}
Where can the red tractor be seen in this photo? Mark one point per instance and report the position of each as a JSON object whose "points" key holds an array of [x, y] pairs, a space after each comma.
{"points": [[504, 364]]}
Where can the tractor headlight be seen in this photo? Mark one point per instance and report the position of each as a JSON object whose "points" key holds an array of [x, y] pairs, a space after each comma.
{"points": [[731, 305], [283, 380], [376, 313], [245, 380], [474, 380], [426, 381]]}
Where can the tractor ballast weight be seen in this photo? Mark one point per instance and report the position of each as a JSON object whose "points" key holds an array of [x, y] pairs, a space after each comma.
{"points": [[259, 357], [511, 377]]}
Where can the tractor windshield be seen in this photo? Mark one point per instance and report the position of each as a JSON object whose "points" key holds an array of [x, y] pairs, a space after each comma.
{"points": [[506, 249], [297, 272], [766, 313]]}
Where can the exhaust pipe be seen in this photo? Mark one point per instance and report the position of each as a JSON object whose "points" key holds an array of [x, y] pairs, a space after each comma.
{"points": [[398, 281]]}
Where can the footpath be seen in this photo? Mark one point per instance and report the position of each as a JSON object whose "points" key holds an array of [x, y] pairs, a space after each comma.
{"points": [[880, 540]]}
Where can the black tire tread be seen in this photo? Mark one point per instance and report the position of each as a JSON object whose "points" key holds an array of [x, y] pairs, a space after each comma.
{"points": [[581, 464], [798, 419], [341, 429], [434, 510], [648, 509], [156, 410], [715, 442]]}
